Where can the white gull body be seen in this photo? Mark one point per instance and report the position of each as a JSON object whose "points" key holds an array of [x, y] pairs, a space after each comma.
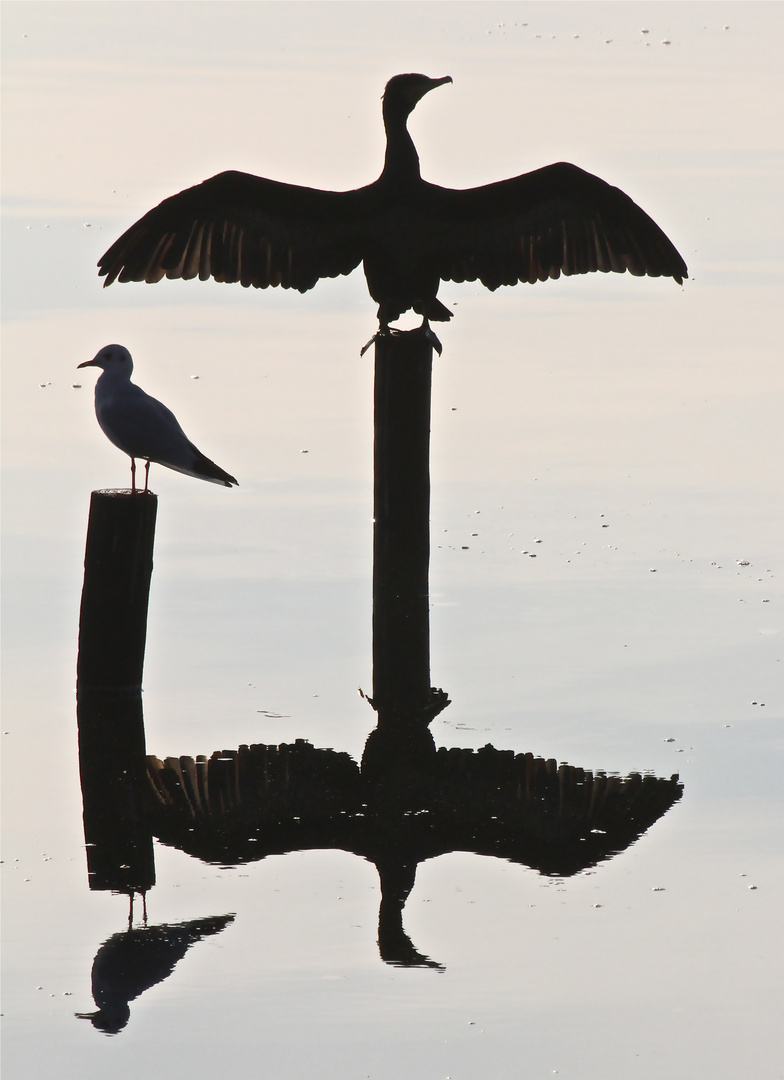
{"points": [[143, 427]]}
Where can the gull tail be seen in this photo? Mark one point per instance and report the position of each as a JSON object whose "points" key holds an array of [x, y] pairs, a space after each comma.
{"points": [[203, 469]]}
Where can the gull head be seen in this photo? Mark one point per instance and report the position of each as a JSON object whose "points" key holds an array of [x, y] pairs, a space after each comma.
{"points": [[114, 358]]}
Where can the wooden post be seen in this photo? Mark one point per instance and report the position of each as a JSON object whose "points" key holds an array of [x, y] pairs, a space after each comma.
{"points": [[401, 532], [112, 636], [113, 774], [117, 572]]}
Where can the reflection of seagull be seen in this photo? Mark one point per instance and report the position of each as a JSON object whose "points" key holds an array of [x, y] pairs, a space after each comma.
{"points": [[409, 234], [142, 426], [128, 964]]}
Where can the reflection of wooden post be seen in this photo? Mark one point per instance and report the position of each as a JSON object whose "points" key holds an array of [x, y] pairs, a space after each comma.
{"points": [[113, 773], [401, 534], [112, 635]]}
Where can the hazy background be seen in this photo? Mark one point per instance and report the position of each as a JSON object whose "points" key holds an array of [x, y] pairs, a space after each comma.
{"points": [[557, 409]]}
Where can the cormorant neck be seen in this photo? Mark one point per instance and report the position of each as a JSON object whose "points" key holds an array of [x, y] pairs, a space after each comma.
{"points": [[401, 162]]}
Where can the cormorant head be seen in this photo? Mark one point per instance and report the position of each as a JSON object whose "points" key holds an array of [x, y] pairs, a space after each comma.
{"points": [[404, 91], [111, 357]]}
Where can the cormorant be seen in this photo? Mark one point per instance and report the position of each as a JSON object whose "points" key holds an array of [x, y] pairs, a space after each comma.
{"points": [[410, 235], [143, 427]]}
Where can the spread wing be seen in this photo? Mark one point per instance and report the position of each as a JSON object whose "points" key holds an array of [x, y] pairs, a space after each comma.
{"points": [[556, 220], [236, 227], [241, 228]]}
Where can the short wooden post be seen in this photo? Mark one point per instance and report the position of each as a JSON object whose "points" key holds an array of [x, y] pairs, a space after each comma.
{"points": [[112, 636], [117, 572]]}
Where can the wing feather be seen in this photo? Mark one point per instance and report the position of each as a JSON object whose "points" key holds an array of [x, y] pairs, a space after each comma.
{"points": [[556, 220], [236, 227]]}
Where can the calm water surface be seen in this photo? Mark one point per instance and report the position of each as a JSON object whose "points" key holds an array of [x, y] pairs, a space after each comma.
{"points": [[625, 432]]}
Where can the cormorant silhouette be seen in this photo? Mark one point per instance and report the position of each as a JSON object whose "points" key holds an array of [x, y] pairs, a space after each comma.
{"points": [[410, 235]]}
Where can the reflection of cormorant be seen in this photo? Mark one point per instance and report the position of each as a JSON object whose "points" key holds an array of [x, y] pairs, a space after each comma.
{"points": [[128, 964], [409, 234], [395, 947], [242, 805]]}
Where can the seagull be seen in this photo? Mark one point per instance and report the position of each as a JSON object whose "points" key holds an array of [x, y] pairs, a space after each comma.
{"points": [[143, 427], [128, 964]]}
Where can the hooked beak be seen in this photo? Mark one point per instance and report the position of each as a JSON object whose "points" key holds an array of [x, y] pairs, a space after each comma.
{"points": [[87, 363], [431, 84]]}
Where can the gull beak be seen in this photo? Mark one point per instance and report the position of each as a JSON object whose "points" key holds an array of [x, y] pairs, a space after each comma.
{"points": [[87, 363]]}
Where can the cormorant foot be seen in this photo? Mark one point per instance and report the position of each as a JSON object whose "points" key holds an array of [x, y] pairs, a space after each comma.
{"points": [[384, 330], [430, 336]]}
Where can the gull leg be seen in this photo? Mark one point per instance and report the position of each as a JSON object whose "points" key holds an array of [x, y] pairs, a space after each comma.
{"points": [[133, 476], [146, 475]]}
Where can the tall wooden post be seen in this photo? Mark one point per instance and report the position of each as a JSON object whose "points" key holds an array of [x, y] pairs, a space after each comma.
{"points": [[399, 755], [112, 636], [401, 532]]}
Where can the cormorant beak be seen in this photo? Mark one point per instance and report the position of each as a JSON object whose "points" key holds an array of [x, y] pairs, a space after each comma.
{"points": [[427, 86], [434, 83]]}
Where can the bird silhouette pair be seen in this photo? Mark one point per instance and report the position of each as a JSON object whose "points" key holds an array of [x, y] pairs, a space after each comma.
{"points": [[408, 234]]}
